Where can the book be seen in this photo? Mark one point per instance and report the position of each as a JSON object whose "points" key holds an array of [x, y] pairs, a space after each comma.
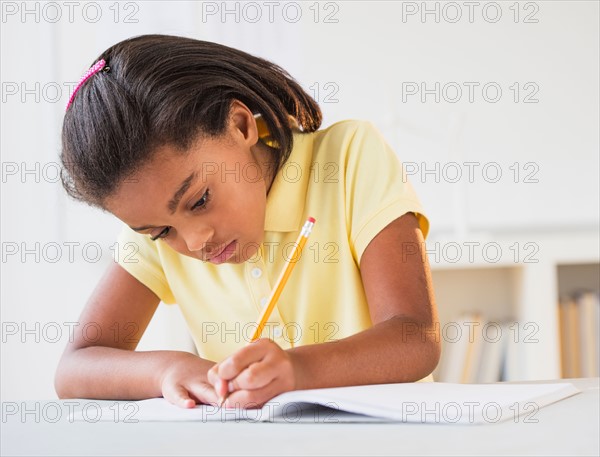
{"points": [[579, 320], [574, 344], [564, 339], [587, 304], [422, 402], [570, 340], [474, 350], [492, 353], [512, 367], [456, 345]]}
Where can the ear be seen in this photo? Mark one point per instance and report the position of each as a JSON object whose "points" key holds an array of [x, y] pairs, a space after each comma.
{"points": [[242, 124]]}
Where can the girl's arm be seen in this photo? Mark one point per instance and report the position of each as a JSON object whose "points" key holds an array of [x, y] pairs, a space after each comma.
{"points": [[402, 346], [404, 342], [101, 362]]}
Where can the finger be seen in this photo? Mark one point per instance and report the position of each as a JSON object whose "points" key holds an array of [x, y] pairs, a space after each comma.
{"points": [[233, 365], [212, 376], [256, 376], [178, 395], [251, 399], [203, 393], [222, 388]]}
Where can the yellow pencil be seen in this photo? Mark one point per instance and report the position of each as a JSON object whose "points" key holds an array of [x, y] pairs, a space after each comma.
{"points": [[276, 292]]}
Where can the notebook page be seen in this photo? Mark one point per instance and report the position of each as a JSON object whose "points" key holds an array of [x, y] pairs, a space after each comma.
{"points": [[437, 402], [434, 402], [159, 409]]}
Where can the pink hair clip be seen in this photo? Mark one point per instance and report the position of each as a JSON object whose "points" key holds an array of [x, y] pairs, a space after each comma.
{"points": [[88, 74]]}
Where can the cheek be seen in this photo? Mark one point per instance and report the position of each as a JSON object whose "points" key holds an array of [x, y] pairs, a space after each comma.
{"points": [[251, 217], [250, 202]]}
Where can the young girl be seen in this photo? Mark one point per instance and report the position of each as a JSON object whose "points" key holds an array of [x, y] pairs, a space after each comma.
{"points": [[213, 160]]}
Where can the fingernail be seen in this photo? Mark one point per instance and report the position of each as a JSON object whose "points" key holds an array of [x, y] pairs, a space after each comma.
{"points": [[230, 387]]}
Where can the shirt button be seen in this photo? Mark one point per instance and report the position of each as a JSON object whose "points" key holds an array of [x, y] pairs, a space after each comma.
{"points": [[263, 301], [256, 272], [278, 332]]}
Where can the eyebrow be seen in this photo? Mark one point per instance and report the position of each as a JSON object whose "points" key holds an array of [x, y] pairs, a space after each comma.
{"points": [[172, 205]]}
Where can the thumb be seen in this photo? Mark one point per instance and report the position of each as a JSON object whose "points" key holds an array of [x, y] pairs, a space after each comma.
{"points": [[203, 392], [178, 395]]}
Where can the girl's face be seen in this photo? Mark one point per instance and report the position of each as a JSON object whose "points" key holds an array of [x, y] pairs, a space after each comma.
{"points": [[208, 203]]}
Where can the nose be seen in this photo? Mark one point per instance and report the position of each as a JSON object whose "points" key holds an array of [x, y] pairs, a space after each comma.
{"points": [[198, 238]]}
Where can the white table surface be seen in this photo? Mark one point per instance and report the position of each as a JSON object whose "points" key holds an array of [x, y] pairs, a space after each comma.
{"points": [[568, 427]]}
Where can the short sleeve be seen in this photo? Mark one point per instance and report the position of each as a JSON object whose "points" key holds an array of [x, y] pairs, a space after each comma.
{"points": [[142, 259], [377, 189]]}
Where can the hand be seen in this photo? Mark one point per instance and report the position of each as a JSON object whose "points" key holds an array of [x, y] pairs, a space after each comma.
{"points": [[184, 382], [253, 375]]}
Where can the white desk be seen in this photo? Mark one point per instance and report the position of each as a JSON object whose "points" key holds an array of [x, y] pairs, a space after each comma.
{"points": [[569, 427]]}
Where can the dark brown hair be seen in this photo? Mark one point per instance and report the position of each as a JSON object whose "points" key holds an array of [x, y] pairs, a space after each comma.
{"points": [[168, 90]]}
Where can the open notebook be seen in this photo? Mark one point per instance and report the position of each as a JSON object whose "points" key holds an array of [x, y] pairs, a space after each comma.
{"points": [[433, 402]]}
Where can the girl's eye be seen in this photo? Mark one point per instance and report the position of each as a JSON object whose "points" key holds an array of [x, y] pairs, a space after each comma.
{"points": [[201, 204], [162, 234]]}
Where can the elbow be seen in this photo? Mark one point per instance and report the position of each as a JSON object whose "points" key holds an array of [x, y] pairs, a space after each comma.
{"points": [[432, 352], [425, 361], [63, 379], [421, 350], [60, 384]]}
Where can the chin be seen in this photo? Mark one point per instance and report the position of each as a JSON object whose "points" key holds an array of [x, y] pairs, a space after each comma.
{"points": [[246, 254], [236, 260], [191, 255]]}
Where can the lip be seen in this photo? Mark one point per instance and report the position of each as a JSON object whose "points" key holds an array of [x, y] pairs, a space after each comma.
{"points": [[224, 254]]}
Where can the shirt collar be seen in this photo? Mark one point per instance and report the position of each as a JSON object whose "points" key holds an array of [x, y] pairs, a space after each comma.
{"points": [[287, 196]]}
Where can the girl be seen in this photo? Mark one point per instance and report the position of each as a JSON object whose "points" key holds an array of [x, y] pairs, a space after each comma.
{"points": [[213, 160]]}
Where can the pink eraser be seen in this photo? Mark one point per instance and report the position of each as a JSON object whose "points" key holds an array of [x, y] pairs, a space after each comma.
{"points": [[312, 219]]}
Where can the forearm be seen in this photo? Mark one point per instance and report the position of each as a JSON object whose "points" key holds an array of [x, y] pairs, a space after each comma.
{"points": [[117, 374], [396, 350]]}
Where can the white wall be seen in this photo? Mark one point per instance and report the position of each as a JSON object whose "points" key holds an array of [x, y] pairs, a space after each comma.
{"points": [[369, 57]]}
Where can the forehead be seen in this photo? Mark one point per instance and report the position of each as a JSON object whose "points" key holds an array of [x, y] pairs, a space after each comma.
{"points": [[156, 182], [171, 162]]}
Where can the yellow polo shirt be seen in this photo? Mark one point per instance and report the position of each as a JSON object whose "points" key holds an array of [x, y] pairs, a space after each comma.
{"points": [[347, 178]]}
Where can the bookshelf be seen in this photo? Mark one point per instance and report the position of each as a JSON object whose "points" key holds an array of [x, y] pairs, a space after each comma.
{"points": [[521, 286]]}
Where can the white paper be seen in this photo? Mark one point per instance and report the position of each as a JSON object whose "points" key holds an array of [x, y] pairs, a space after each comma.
{"points": [[442, 403]]}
